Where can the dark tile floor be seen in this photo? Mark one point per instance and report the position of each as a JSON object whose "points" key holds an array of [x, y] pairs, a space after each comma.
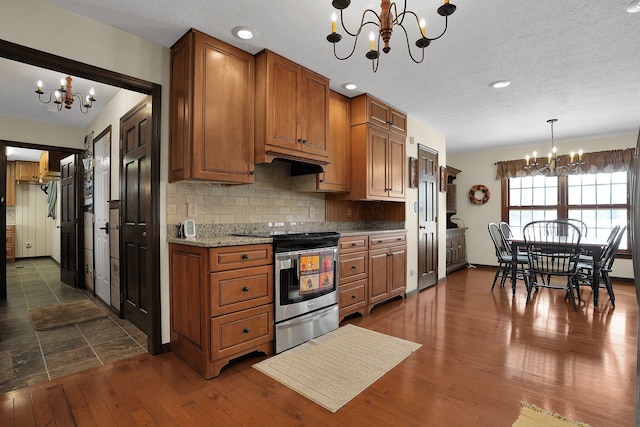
{"points": [[42, 355]]}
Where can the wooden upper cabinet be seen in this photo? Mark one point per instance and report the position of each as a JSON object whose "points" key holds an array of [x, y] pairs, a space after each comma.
{"points": [[337, 174], [49, 167], [378, 170], [211, 111], [27, 171], [292, 111], [368, 109], [11, 183]]}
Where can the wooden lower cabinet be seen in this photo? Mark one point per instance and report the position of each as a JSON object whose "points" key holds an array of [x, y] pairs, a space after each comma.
{"points": [[353, 272], [221, 304], [373, 269], [11, 243]]}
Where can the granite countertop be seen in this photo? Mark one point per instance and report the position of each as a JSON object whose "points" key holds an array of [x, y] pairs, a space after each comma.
{"points": [[220, 241], [229, 240]]}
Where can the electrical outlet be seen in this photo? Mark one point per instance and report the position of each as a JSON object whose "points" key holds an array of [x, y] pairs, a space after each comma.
{"points": [[192, 210], [312, 211], [412, 272]]}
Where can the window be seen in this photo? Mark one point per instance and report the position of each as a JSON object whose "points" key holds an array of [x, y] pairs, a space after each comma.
{"points": [[599, 200]]}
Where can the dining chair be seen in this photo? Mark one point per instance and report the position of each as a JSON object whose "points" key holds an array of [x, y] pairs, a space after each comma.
{"points": [[578, 223], [552, 254], [606, 265], [504, 257]]}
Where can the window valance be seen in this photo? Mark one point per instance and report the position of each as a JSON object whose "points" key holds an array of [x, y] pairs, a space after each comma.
{"points": [[601, 161]]}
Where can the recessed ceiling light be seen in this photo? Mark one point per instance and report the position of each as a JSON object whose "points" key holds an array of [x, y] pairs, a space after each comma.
{"points": [[634, 6], [350, 86], [499, 84], [244, 33]]}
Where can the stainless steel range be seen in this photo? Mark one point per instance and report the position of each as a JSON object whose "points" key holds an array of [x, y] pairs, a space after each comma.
{"points": [[306, 282]]}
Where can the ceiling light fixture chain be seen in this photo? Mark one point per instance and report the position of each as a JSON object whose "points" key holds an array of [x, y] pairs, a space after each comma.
{"points": [[65, 95], [553, 165], [386, 20]]}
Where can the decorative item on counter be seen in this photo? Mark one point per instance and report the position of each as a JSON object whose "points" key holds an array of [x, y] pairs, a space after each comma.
{"points": [[180, 230]]}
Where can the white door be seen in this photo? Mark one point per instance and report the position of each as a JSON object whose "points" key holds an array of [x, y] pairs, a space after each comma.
{"points": [[101, 181]]}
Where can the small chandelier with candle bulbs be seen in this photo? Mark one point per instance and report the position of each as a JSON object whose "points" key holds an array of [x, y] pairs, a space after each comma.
{"points": [[64, 95], [386, 21], [554, 165]]}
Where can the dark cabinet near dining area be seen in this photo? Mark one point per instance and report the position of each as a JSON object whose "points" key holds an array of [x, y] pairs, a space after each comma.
{"points": [[456, 249]]}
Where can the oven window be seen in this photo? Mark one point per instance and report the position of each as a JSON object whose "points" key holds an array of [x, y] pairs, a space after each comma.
{"points": [[311, 275], [316, 273]]}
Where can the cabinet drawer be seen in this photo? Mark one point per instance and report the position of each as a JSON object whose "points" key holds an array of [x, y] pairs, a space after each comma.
{"points": [[353, 267], [236, 332], [232, 257], [353, 295], [384, 240], [240, 289], [11, 235], [353, 244]]}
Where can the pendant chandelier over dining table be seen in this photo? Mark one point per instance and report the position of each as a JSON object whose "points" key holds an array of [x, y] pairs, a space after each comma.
{"points": [[554, 165], [64, 95], [386, 21]]}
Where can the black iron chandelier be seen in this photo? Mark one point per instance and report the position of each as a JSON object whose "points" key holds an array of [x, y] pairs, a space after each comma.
{"points": [[386, 21], [554, 165], [64, 95]]}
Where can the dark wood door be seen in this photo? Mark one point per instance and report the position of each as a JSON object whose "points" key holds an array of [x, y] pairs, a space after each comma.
{"points": [[427, 217], [68, 222], [136, 215]]}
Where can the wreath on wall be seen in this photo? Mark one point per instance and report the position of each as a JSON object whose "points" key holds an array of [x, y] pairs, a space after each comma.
{"points": [[485, 194]]}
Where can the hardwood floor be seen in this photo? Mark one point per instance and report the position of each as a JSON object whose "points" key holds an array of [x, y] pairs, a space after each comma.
{"points": [[483, 352]]}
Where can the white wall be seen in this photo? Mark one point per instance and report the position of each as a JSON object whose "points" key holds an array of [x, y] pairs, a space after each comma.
{"points": [[36, 24], [33, 227], [21, 130], [479, 167], [418, 133]]}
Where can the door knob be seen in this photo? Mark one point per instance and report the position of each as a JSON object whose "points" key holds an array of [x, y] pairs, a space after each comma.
{"points": [[105, 228], [422, 227]]}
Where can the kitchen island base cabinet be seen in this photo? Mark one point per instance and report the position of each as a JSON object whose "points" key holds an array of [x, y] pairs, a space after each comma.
{"points": [[221, 304]]}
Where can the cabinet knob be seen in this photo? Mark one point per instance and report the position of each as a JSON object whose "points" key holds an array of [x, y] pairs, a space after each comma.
{"points": [[353, 267], [354, 244], [389, 123], [353, 297], [245, 256], [300, 140], [245, 331], [245, 289], [304, 141], [252, 172]]}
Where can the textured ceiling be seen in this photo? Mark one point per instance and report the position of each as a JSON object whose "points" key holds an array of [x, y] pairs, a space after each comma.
{"points": [[574, 60]]}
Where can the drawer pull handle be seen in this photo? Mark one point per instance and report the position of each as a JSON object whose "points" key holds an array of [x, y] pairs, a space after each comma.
{"points": [[245, 289], [399, 238], [353, 267], [354, 244], [245, 331], [245, 256]]}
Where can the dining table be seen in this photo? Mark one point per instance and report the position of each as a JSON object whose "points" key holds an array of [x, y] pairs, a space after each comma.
{"points": [[594, 246]]}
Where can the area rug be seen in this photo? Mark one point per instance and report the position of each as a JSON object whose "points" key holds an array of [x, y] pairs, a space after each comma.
{"points": [[334, 368], [532, 416], [63, 314], [6, 366]]}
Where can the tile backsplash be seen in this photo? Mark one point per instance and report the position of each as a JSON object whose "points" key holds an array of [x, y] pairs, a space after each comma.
{"points": [[269, 199]]}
